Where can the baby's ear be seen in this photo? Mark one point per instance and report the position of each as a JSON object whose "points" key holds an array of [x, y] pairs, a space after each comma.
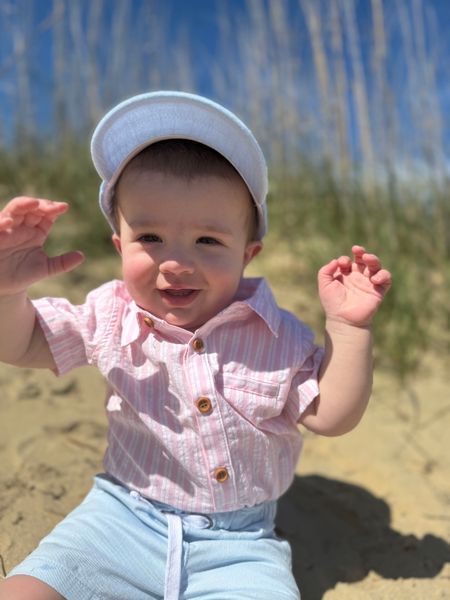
{"points": [[117, 243], [251, 250]]}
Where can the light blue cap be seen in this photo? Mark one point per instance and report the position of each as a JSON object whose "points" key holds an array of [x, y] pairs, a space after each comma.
{"points": [[147, 118]]}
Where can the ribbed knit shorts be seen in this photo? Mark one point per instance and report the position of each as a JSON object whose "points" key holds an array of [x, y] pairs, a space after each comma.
{"points": [[118, 545]]}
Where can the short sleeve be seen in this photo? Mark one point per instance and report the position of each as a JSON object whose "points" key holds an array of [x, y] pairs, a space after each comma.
{"points": [[74, 332], [305, 383]]}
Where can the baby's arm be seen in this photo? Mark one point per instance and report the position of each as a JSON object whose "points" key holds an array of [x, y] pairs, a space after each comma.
{"points": [[24, 226], [350, 292]]}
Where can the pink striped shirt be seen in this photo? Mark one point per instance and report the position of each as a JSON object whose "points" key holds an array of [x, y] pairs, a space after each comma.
{"points": [[203, 421]]}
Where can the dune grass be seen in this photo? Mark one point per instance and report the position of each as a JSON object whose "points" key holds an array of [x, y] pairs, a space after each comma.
{"points": [[315, 219], [311, 220]]}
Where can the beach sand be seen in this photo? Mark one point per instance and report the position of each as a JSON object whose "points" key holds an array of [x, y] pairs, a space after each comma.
{"points": [[367, 515]]}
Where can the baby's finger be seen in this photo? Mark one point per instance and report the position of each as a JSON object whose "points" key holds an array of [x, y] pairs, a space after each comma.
{"points": [[372, 262], [32, 219], [328, 270], [358, 262], [358, 252], [382, 278], [345, 264], [45, 224], [5, 222], [20, 205], [65, 262], [49, 207], [43, 220], [24, 205]]}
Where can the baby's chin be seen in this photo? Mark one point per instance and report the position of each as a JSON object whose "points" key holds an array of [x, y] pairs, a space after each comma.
{"points": [[188, 326], [180, 317]]}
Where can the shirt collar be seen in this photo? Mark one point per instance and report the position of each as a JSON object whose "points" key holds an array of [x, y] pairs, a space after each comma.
{"points": [[138, 321], [131, 325], [253, 294]]}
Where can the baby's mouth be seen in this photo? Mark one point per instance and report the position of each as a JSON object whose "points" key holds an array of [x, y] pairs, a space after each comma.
{"points": [[179, 296], [179, 293]]}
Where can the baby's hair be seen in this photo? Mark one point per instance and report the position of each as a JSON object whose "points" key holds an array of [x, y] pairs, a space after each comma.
{"points": [[186, 159]]}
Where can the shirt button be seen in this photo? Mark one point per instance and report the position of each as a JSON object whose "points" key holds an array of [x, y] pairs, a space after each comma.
{"points": [[204, 405], [221, 474], [198, 344], [149, 322]]}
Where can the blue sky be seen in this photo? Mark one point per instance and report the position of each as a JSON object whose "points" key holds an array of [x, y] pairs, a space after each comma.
{"points": [[197, 21]]}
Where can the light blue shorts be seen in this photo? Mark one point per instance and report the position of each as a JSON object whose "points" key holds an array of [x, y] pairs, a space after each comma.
{"points": [[119, 546]]}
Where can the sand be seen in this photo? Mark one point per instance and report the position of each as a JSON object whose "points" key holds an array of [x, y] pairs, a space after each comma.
{"points": [[367, 515]]}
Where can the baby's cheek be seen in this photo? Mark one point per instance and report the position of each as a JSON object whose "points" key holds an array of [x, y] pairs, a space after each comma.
{"points": [[136, 265]]}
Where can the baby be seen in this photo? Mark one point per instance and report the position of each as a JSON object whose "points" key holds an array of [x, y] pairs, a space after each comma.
{"points": [[208, 378]]}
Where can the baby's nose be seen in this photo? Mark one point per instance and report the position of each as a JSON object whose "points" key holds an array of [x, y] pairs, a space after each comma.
{"points": [[176, 264]]}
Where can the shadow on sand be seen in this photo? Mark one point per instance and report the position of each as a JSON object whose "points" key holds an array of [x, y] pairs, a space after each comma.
{"points": [[339, 532]]}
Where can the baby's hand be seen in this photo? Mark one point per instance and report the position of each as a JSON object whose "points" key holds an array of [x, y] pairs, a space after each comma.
{"points": [[24, 226], [351, 290]]}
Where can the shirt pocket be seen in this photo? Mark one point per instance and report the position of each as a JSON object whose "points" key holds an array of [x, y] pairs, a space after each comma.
{"points": [[255, 400]]}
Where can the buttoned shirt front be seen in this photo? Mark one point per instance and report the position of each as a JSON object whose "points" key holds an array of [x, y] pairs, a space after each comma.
{"points": [[204, 421]]}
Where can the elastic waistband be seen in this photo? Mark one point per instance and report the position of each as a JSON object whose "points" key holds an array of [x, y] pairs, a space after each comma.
{"points": [[248, 518]]}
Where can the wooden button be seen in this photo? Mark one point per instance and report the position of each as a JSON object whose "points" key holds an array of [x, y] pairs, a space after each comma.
{"points": [[198, 344], [149, 322], [204, 405], [221, 474]]}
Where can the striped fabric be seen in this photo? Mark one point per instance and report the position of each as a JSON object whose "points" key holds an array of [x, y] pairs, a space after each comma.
{"points": [[203, 421]]}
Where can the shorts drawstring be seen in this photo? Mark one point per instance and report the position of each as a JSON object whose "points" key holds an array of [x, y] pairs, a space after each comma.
{"points": [[175, 523]]}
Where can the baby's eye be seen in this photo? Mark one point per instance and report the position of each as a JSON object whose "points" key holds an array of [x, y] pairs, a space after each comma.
{"points": [[148, 238], [208, 240]]}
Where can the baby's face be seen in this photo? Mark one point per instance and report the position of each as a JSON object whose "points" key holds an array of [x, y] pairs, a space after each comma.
{"points": [[184, 244]]}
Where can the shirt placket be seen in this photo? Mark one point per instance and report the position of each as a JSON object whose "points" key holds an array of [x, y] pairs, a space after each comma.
{"points": [[213, 435]]}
